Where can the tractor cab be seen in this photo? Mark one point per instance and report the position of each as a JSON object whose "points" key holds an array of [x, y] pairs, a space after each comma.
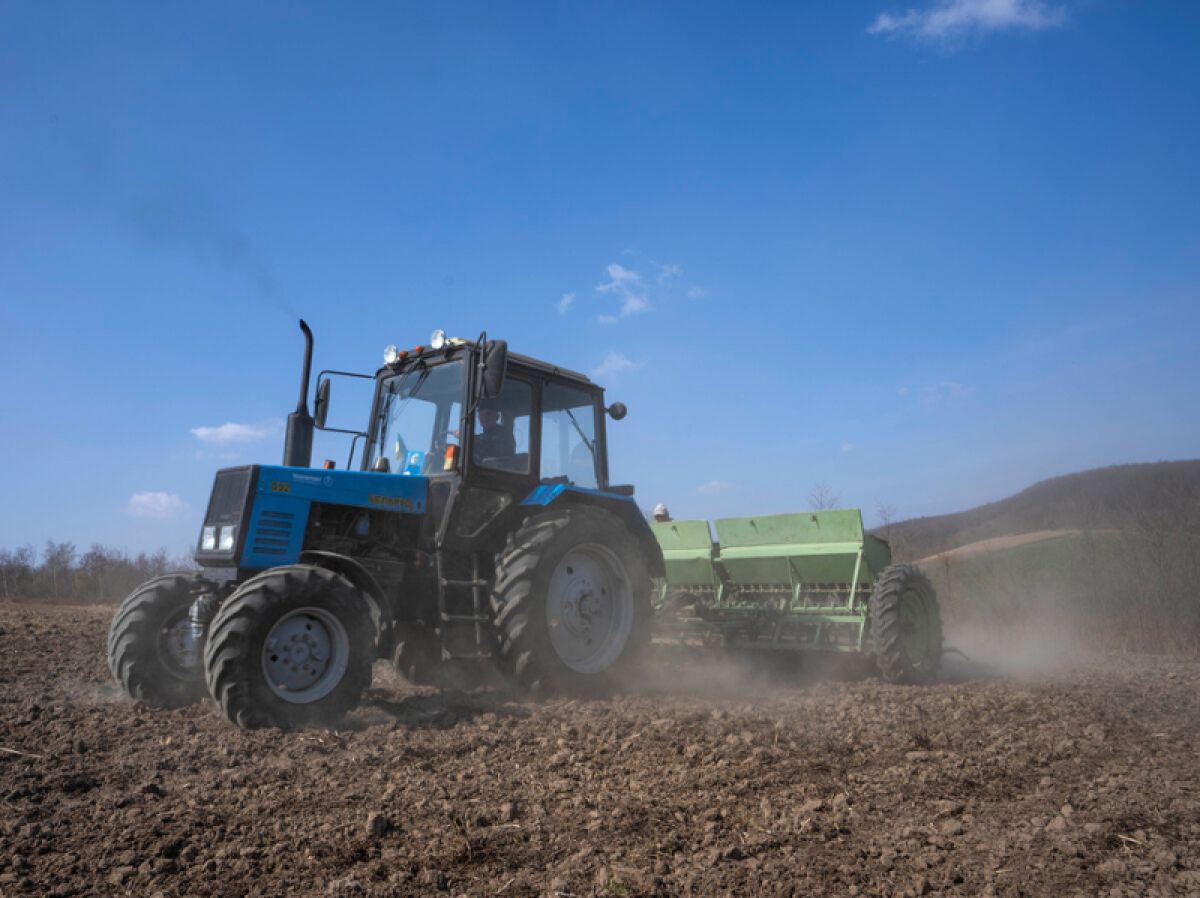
{"points": [[487, 429]]}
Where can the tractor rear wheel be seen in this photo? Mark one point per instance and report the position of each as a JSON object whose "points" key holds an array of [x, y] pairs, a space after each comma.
{"points": [[150, 649], [571, 601], [906, 626], [292, 647]]}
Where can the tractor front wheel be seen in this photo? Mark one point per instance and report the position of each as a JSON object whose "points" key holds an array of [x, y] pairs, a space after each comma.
{"points": [[906, 626], [571, 600], [150, 647], [292, 647]]}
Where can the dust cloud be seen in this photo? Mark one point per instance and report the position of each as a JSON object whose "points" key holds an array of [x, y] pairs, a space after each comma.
{"points": [[1029, 650]]}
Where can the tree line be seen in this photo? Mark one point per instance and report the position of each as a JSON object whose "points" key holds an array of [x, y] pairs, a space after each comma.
{"points": [[60, 571]]}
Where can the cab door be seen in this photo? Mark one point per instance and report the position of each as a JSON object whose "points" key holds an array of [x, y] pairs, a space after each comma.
{"points": [[500, 467]]}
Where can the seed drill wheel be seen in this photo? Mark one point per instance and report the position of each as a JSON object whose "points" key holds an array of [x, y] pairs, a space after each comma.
{"points": [[149, 647], [571, 601], [293, 647], [906, 626]]}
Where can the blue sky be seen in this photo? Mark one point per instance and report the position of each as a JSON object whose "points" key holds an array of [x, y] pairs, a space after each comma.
{"points": [[925, 252]]}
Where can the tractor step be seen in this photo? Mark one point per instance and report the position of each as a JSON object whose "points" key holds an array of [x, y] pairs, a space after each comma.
{"points": [[464, 626], [465, 656]]}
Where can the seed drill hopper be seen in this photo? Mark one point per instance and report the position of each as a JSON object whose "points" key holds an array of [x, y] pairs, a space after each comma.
{"points": [[813, 581]]}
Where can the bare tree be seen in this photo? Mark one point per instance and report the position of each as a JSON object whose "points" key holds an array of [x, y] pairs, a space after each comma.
{"points": [[887, 516], [897, 537], [58, 560], [18, 570], [822, 497], [97, 574]]}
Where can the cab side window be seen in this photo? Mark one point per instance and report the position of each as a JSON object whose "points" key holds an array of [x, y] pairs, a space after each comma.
{"points": [[569, 435], [500, 435]]}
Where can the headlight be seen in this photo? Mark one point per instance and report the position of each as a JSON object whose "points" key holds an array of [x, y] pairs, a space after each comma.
{"points": [[228, 535], [208, 539], [438, 339], [391, 355]]}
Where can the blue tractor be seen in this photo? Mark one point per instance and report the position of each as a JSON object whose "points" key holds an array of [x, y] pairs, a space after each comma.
{"points": [[478, 531]]}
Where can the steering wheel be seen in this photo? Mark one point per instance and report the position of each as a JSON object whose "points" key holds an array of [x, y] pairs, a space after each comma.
{"points": [[435, 458]]}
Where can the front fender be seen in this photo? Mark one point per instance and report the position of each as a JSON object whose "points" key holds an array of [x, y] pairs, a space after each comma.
{"points": [[364, 581]]}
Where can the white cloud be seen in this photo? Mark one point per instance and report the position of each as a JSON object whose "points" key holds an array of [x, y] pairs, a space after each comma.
{"points": [[633, 290], [666, 272], [714, 486], [620, 279], [565, 303], [229, 432], [950, 19], [634, 304], [627, 285], [612, 367], [156, 506]]}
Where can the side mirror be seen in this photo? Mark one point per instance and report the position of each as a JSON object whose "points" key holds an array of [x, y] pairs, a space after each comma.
{"points": [[321, 405], [617, 411], [495, 364]]}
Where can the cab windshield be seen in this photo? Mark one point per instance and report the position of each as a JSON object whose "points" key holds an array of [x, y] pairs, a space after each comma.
{"points": [[419, 415]]}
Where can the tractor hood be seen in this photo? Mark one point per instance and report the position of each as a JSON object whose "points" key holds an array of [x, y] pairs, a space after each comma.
{"points": [[257, 514]]}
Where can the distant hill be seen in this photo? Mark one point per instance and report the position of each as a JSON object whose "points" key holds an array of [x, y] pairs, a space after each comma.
{"points": [[1160, 496]]}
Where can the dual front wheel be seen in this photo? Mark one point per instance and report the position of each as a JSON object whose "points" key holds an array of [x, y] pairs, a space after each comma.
{"points": [[291, 647], [150, 647]]}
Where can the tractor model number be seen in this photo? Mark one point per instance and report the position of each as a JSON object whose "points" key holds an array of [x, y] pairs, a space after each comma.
{"points": [[398, 501]]}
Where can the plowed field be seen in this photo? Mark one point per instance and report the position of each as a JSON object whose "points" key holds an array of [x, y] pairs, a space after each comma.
{"points": [[707, 781]]}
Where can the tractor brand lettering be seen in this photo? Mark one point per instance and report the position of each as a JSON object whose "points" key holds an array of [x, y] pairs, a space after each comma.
{"points": [[307, 478], [399, 501], [278, 486]]}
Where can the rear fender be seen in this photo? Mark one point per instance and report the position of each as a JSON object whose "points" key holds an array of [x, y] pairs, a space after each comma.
{"points": [[624, 507]]}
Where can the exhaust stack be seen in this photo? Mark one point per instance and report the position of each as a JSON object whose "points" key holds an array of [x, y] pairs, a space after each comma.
{"points": [[297, 445]]}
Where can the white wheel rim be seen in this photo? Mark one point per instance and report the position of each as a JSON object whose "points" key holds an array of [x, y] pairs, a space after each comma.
{"points": [[589, 609], [305, 655]]}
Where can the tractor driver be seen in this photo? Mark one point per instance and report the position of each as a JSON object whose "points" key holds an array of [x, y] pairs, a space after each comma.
{"points": [[493, 440]]}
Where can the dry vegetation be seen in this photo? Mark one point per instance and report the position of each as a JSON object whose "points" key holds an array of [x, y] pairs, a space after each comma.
{"points": [[60, 573]]}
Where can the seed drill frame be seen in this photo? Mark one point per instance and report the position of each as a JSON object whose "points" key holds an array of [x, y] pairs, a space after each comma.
{"points": [[790, 581]]}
